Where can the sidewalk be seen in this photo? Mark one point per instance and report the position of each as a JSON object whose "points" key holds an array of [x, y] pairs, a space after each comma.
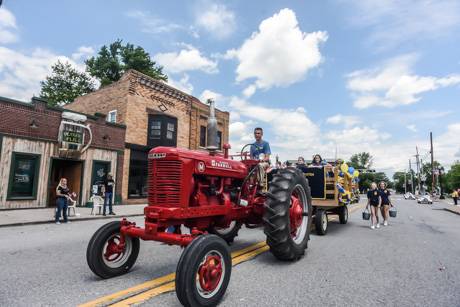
{"points": [[448, 205], [22, 217]]}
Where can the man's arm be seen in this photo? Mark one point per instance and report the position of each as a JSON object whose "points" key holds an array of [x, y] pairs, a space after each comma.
{"points": [[267, 151]]}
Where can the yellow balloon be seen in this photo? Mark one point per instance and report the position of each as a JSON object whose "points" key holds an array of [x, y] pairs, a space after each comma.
{"points": [[356, 173], [344, 168]]}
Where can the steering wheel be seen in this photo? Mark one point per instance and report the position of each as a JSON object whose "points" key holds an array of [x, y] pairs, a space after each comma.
{"points": [[243, 153]]}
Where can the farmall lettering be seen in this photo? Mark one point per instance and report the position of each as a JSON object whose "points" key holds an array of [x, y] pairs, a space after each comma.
{"points": [[220, 164]]}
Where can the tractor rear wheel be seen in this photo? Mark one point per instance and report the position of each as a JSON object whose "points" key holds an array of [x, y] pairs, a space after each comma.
{"points": [[287, 217], [203, 272], [321, 222], [343, 214], [229, 233], [105, 254]]}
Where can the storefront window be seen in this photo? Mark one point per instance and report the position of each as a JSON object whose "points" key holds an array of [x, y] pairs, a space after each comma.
{"points": [[23, 176], [100, 171]]}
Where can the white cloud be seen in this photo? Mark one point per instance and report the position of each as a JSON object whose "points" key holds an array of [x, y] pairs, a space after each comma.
{"points": [[216, 19], [183, 84], [394, 84], [412, 128], [20, 73], [8, 27], [187, 59], [395, 22], [208, 94], [278, 54], [83, 53], [357, 135], [346, 120], [152, 24]]}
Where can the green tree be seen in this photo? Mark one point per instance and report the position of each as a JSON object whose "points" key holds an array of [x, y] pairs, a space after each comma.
{"points": [[427, 170], [113, 61], [362, 160], [65, 84], [452, 178], [366, 178]]}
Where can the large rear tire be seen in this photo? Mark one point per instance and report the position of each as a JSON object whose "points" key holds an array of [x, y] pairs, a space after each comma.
{"points": [[203, 272], [288, 214], [104, 254], [228, 234]]}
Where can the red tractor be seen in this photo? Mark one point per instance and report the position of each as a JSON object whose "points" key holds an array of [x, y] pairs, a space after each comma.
{"points": [[211, 194]]}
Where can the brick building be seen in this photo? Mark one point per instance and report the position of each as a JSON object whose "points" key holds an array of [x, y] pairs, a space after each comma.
{"points": [[155, 114], [41, 144]]}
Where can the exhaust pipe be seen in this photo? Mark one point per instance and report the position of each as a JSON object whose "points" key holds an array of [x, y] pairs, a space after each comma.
{"points": [[211, 140]]}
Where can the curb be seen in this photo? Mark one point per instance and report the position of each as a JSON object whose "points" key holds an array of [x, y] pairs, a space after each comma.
{"points": [[71, 220], [452, 210]]}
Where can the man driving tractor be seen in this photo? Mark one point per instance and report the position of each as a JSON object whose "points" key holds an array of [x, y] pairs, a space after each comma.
{"points": [[260, 146]]}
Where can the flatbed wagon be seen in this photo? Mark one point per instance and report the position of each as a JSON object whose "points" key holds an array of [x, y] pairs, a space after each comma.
{"points": [[332, 191]]}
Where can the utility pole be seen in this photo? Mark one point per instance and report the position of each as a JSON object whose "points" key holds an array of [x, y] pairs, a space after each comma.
{"points": [[418, 168], [432, 165], [411, 177], [405, 183]]}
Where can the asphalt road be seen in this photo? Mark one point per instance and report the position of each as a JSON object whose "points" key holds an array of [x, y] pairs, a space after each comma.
{"points": [[412, 262]]}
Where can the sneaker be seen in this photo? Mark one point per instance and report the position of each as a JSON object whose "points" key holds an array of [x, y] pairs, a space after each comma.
{"points": [[103, 214], [378, 225], [58, 223], [385, 223], [67, 222], [372, 227], [112, 213]]}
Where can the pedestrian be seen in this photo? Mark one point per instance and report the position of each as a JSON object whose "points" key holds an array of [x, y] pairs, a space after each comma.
{"points": [[109, 183], [455, 197], [386, 202], [62, 198], [373, 200]]}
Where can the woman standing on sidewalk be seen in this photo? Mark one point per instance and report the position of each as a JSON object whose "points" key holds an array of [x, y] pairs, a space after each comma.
{"points": [[455, 196], [373, 200], [386, 202], [62, 197]]}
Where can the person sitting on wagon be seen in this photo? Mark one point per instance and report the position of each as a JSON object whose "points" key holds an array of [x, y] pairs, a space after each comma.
{"points": [[301, 164], [318, 161], [260, 146]]}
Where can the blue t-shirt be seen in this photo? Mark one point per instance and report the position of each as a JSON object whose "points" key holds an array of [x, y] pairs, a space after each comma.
{"points": [[384, 194], [260, 148]]}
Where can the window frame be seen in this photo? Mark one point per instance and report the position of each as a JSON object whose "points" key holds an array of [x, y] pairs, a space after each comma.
{"points": [[14, 155], [115, 117], [205, 136]]}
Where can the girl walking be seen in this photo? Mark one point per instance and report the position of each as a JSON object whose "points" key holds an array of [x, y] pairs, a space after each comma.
{"points": [[386, 202], [374, 201]]}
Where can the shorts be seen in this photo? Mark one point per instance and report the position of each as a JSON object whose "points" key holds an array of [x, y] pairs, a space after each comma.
{"points": [[387, 204], [374, 205]]}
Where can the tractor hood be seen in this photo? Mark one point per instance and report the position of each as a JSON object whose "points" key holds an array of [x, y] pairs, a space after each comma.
{"points": [[204, 162]]}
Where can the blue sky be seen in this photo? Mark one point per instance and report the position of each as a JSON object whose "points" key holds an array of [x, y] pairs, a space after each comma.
{"points": [[360, 75]]}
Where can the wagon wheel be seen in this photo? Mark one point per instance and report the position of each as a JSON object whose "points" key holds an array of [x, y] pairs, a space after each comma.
{"points": [[343, 214], [203, 272], [321, 222], [109, 254]]}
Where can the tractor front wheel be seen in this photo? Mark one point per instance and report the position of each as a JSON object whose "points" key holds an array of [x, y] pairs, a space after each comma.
{"points": [[203, 272], [108, 254], [229, 233], [287, 217]]}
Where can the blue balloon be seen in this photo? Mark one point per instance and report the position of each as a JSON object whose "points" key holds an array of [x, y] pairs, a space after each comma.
{"points": [[351, 170], [341, 174]]}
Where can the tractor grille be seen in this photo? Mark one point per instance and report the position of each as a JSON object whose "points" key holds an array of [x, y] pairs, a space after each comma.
{"points": [[165, 183]]}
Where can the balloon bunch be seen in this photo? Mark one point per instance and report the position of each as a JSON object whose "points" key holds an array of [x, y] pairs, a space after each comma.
{"points": [[348, 171]]}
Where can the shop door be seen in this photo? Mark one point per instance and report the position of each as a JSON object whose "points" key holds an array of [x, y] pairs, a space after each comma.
{"points": [[72, 170]]}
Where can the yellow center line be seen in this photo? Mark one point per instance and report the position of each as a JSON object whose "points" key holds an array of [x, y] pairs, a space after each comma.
{"points": [[169, 287], [163, 284], [155, 282]]}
